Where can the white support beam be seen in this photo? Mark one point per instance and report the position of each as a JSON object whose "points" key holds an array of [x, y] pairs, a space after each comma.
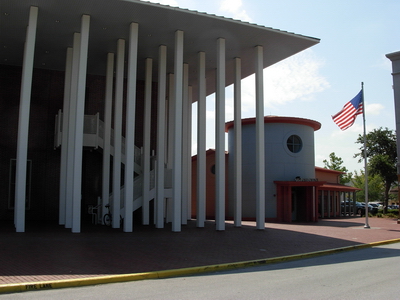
{"points": [[64, 142], [220, 137], [161, 133], [185, 144], [119, 90], [146, 141], [201, 142], [23, 121], [71, 129], [170, 138], [177, 148], [80, 113], [237, 165], [189, 155], [105, 192], [130, 127], [260, 145]]}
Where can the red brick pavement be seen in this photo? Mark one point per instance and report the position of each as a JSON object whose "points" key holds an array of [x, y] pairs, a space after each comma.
{"points": [[51, 252]]}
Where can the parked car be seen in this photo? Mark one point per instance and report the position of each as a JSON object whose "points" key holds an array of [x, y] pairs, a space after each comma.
{"points": [[371, 209], [347, 207]]}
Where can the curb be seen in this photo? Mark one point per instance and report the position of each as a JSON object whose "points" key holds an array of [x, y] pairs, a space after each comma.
{"points": [[67, 283]]}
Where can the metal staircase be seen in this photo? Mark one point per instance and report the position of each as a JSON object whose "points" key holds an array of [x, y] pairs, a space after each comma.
{"points": [[93, 137]]}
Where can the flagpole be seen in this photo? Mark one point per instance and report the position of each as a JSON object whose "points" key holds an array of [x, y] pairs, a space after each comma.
{"points": [[365, 161]]}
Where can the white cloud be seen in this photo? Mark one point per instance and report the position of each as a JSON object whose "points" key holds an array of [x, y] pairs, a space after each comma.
{"points": [[296, 78], [373, 109], [233, 8], [357, 128], [165, 2]]}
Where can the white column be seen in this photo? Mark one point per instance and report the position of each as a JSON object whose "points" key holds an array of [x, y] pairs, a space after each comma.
{"points": [[260, 146], [80, 112], [237, 189], [189, 155], [71, 130], [162, 86], [146, 141], [185, 144], [23, 121], [177, 149], [170, 139], [220, 137], [130, 128], [119, 90], [201, 142], [395, 59], [64, 141], [105, 192]]}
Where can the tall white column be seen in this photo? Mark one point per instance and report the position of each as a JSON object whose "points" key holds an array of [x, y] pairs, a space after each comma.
{"points": [[170, 140], [220, 137], [80, 112], [161, 133], [23, 121], [105, 192], [146, 141], [130, 128], [237, 189], [71, 130], [260, 146], [119, 90], [185, 144], [177, 149], [189, 155], [64, 141], [395, 59], [201, 142]]}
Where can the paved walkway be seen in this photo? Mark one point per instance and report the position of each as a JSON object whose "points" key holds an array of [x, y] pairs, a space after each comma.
{"points": [[51, 252]]}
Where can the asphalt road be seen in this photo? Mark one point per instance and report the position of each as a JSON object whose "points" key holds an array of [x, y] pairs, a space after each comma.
{"points": [[371, 273]]}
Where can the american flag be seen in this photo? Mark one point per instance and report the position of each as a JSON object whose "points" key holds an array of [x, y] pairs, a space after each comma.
{"points": [[346, 117]]}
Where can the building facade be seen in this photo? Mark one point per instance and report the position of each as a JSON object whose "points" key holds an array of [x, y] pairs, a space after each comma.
{"points": [[119, 78], [295, 189]]}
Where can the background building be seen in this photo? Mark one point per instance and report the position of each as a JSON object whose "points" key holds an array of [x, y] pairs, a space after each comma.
{"points": [[295, 189]]}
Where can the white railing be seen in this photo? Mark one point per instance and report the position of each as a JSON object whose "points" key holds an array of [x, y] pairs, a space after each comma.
{"points": [[93, 135]]}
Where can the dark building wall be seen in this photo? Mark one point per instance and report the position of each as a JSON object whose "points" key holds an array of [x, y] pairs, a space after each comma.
{"points": [[46, 100]]}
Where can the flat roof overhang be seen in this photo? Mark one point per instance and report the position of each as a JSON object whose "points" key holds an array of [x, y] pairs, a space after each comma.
{"points": [[277, 119], [322, 185], [110, 19]]}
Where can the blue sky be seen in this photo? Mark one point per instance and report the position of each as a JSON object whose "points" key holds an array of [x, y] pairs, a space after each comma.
{"points": [[315, 84]]}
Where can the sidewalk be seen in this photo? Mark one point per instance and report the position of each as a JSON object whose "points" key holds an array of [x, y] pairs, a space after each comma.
{"points": [[49, 253]]}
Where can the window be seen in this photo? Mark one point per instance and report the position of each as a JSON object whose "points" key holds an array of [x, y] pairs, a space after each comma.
{"points": [[294, 143]]}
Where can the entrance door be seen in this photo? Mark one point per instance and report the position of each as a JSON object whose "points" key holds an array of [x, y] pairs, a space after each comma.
{"points": [[299, 204]]}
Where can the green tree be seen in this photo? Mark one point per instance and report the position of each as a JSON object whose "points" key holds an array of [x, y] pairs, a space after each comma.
{"points": [[375, 186], [336, 163], [382, 153]]}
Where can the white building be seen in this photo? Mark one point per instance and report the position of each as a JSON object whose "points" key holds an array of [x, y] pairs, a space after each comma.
{"points": [[121, 76]]}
